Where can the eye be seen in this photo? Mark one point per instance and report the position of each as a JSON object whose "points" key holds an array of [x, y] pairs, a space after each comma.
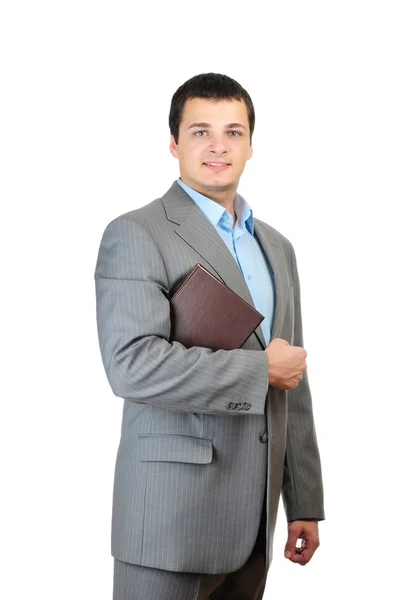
{"points": [[197, 132], [237, 133]]}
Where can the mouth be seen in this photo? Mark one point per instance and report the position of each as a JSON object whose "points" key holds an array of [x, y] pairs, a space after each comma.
{"points": [[217, 166]]}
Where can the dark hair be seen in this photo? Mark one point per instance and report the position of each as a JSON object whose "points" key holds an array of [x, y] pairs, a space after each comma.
{"points": [[212, 86]]}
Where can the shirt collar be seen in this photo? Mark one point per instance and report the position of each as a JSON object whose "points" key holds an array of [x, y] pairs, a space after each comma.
{"points": [[216, 213], [244, 213]]}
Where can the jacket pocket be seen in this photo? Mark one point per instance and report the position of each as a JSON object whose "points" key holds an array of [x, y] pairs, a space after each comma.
{"points": [[155, 447]]}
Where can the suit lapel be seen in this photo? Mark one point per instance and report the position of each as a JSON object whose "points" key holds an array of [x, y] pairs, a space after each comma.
{"points": [[272, 249], [195, 229]]}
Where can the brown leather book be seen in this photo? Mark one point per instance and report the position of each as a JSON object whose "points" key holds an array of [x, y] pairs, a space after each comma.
{"points": [[207, 313]]}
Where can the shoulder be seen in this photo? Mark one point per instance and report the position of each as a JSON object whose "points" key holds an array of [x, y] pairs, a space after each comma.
{"points": [[128, 244], [142, 219], [147, 213]]}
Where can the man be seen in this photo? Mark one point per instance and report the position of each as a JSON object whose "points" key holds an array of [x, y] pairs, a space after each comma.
{"points": [[209, 439]]}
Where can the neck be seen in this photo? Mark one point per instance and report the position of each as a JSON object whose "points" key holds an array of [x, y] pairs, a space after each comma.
{"points": [[224, 196]]}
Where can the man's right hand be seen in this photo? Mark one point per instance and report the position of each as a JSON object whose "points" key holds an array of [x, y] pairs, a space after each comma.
{"points": [[286, 364]]}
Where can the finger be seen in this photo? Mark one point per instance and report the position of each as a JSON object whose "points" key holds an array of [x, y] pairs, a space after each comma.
{"points": [[309, 549], [298, 558], [291, 544], [304, 554]]}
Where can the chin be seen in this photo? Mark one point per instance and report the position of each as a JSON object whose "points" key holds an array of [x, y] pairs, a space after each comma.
{"points": [[219, 180], [219, 187]]}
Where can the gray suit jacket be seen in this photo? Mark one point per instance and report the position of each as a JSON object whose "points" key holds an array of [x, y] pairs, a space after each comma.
{"points": [[191, 471]]}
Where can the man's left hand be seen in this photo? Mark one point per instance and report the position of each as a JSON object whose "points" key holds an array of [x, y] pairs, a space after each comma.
{"points": [[307, 531]]}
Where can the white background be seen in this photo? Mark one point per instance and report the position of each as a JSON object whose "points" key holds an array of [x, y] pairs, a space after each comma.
{"points": [[86, 90]]}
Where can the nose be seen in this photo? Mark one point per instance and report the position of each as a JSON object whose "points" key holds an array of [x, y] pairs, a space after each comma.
{"points": [[218, 146], [218, 151]]}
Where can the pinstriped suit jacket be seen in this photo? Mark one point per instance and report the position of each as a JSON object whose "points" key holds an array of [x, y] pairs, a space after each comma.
{"points": [[191, 473]]}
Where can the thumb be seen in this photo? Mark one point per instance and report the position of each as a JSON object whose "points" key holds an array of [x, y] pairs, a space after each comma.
{"points": [[290, 547]]}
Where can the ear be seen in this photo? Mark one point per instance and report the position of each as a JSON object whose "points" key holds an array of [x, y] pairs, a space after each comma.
{"points": [[250, 152], [173, 147]]}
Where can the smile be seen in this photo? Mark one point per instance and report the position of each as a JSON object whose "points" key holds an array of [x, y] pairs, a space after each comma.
{"points": [[217, 166]]}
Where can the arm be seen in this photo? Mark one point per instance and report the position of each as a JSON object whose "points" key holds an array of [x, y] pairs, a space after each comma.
{"points": [[133, 318], [302, 489]]}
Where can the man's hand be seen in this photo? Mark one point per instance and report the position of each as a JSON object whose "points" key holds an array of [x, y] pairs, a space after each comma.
{"points": [[307, 531], [286, 364]]}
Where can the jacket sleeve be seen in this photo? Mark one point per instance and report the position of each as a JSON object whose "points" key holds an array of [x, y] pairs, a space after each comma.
{"points": [[133, 319], [302, 488]]}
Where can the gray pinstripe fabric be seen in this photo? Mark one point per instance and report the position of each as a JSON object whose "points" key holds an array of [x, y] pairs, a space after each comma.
{"points": [[134, 582], [190, 472]]}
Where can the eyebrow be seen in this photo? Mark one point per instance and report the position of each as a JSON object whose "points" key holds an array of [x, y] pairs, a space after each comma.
{"points": [[229, 126]]}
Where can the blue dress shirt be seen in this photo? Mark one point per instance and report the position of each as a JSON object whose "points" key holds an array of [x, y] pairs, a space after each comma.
{"points": [[245, 248]]}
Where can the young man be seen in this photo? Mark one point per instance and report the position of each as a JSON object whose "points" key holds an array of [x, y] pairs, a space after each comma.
{"points": [[209, 439]]}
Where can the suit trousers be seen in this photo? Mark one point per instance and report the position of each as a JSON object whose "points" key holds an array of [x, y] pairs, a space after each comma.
{"points": [[134, 582]]}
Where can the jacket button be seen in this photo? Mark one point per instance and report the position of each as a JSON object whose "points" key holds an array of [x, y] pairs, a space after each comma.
{"points": [[232, 405], [264, 437], [239, 406], [247, 405]]}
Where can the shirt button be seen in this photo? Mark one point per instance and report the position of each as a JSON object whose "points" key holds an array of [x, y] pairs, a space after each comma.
{"points": [[263, 437], [249, 277]]}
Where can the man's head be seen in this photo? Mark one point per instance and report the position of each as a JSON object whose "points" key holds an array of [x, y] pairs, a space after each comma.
{"points": [[211, 125]]}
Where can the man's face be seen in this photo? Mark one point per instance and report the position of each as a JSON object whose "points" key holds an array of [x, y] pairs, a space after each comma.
{"points": [[213, 145]]}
